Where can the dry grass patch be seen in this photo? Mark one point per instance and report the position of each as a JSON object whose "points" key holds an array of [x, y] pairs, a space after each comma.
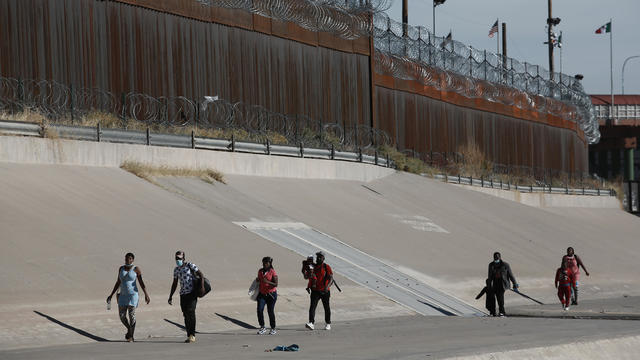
{"points": [[148, 172]]}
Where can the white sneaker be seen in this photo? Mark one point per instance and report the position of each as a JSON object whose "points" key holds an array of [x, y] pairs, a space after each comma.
{"points": [[262, 331], [567, 308], [273, 332], [309, 326], [327, 327]]}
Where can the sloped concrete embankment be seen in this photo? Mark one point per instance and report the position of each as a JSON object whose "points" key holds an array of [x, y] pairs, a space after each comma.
{"points": [[28, 150]]}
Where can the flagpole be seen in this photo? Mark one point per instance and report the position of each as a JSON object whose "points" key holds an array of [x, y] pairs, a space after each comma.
{"points": [[613, 116]]}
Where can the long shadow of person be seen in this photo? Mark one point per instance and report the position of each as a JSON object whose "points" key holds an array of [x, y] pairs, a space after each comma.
{"points": [[237, 322], [72, 328]]}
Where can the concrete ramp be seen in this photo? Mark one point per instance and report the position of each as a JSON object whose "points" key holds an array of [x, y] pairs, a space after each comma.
{"points": [[363, 269]]}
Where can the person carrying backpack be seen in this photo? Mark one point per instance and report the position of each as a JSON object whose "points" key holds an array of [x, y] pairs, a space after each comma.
{"points": [[320, 291], [186, 273]]}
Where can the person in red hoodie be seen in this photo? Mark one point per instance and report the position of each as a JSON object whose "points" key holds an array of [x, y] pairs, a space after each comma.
{"points": [[563, 284]]}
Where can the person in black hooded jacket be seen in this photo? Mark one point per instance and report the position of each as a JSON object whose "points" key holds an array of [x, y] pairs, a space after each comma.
{"points": [[498, 281]]}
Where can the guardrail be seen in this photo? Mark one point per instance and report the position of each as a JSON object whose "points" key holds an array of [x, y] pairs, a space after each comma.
{"points": [[491, 183], [186, 141]]}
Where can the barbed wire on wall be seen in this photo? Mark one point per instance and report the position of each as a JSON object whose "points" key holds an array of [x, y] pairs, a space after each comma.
{"points": [[61, 103], [415, 53], [348, 19], [449, 65]]}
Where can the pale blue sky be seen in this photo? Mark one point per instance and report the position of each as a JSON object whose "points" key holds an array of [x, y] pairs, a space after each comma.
{"points": [[583, 51]]}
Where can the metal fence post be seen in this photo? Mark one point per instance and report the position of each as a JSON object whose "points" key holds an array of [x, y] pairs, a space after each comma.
{"points": [[71, 102], [376, 156], [123, 115], [360, 154], [148, 136], [193, 139], [268, 147], [301, 150], [20, 95], [98, 131], [233, 142], [470, 62], [197, 118], [485, 65], [388, 163], [333, 152]]}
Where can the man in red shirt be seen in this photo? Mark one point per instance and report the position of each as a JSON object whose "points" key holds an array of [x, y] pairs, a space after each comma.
{"points": [[320, 291]]}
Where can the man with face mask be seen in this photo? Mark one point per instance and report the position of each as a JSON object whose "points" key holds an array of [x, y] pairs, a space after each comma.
{"points": [[498, 280], [185, 273]]}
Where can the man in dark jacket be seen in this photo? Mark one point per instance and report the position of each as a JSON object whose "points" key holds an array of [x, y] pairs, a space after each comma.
{"points": [[498, 280]]}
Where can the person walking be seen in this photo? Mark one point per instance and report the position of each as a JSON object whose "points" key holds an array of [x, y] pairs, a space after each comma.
{"points": [[268, 280], [186, 273], [563, 284], [128, 275], [573, 264], [498, 281], [320, 290]]}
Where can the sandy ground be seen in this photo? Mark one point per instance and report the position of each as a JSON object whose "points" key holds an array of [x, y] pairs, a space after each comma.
{"points": [[65, 231]]}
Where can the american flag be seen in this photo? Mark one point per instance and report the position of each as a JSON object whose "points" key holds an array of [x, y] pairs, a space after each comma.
{"points": [[494, 29]]}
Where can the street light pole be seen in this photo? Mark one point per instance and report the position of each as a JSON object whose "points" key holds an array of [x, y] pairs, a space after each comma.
{"points": [[625, 64]]}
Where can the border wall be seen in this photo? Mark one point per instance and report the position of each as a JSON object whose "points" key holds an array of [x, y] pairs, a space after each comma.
{"points": [[179, 47]]}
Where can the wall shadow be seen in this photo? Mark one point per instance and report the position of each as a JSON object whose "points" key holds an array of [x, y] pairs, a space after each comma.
{"points": [[72, 328]]}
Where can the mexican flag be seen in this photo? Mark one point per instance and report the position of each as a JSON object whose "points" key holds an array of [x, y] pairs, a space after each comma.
{"points": [[606, 28]]}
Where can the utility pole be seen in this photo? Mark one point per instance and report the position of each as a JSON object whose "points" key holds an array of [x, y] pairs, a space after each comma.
{"points": [[405, 17], [504, 45], [550, 43]]}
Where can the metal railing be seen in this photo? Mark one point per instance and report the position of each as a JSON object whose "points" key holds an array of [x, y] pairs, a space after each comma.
{"points": [[185, 141], [503, 185]]}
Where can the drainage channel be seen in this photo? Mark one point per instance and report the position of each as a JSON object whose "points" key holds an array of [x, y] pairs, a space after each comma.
{"points": [[363, 269]]}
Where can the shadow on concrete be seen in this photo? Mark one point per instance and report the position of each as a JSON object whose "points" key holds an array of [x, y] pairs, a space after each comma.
{"points": [[237, 322], [75, 329], [445, 312]]}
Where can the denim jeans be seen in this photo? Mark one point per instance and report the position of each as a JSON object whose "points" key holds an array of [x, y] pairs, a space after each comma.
{"points": [[269, 300]]}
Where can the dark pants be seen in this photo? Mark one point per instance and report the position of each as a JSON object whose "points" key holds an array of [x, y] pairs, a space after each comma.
{"points": [[315, 297], [496, 293], [269, 300], [188, 305]]}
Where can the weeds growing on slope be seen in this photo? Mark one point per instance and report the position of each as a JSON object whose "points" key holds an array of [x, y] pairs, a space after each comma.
{"points": [[148, 172]]}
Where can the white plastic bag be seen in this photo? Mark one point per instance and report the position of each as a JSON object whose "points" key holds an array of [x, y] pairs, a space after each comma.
{"points": [[254, 290]]}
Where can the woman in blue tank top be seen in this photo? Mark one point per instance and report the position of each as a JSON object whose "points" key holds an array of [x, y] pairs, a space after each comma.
{"points": [[128, 297]]}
